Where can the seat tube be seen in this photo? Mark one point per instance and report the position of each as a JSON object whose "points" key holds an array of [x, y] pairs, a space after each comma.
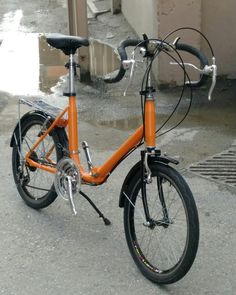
{"points": [[150, 122], [72, 126], [72, 111]]}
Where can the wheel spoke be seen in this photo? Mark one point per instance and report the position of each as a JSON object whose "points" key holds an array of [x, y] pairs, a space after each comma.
{"points": [[163, 244], [39, 182]]}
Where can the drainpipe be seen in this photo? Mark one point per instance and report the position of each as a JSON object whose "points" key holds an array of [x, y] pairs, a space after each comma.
{"points": [[78, 26]]}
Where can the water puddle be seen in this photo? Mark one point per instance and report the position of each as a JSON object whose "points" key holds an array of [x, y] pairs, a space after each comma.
{"points": [[51, 67], [131, 123], [193, 120], [19, 59], [120, 124], [30, 67], [103, 59], [11, 21]]}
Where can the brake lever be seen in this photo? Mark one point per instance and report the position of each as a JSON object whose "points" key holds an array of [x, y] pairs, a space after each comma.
{"points": [[127, 64], [214, 74], [207, 70]]}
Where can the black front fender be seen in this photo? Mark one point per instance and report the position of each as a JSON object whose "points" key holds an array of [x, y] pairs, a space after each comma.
{"points": [[134, 170]]}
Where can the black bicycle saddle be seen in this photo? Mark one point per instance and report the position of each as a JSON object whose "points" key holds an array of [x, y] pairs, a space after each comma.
{"points": [[68, 44]]}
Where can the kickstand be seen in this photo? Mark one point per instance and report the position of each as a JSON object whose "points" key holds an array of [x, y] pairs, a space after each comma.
{"points": [[106, 221]]}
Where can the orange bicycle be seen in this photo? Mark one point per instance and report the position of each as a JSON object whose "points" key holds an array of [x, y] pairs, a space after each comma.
{"points": [[160, 216]]}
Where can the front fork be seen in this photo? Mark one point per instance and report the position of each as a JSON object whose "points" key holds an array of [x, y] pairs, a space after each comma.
{"points": [[146, 179], [151, 151]]}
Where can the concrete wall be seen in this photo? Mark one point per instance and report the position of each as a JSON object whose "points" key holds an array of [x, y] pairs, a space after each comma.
{"points": [[214, 18], [173, 14], [218, 23], [141, 14]]}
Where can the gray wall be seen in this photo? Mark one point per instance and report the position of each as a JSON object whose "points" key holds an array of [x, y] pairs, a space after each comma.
{"points": [[142, 16], [215, 18]]}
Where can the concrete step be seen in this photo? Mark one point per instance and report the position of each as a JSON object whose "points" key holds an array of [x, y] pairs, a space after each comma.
{"points": [[97, 7]]}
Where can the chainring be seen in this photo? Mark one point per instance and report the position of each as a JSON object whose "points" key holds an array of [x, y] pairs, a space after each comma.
{"points": [[66, 167]]}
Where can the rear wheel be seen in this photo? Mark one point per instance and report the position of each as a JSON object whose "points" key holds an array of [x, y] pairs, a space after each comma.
{"points": [[163, 249], [34, 185]]}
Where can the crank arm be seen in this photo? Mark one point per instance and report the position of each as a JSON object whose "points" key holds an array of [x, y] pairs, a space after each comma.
{"points": [[70, 195]]}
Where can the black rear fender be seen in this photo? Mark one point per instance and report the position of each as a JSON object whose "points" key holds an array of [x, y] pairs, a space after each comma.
{"points": [[32, 114]]}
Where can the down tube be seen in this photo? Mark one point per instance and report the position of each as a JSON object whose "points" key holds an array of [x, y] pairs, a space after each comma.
{"points": [[131, 142]]}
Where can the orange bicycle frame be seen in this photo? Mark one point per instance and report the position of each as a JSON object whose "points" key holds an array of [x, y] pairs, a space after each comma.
{"points": [[99, 174], [96, 175]]}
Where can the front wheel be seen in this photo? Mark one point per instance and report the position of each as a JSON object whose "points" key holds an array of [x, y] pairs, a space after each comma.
{"points": [[165, 247]]}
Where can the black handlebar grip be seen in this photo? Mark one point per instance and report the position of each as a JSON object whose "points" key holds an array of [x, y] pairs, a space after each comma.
{"points": [[123, 56], [179, 46], [199, 55]]}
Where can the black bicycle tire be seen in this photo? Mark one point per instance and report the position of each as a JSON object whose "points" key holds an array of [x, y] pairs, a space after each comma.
{"points": [[188, 257], [51, 195]]}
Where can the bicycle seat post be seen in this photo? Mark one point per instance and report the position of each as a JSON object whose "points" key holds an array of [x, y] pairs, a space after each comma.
{"points": [[71, 75], [72, 110]]}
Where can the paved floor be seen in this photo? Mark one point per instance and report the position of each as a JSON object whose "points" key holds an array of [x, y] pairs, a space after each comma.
{"points": [[52, 252]]}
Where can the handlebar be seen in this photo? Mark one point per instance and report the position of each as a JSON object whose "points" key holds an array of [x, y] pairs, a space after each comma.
{"points": [[178, 46], [148, 49], [205, 69], [201, 57], [123, 56]]}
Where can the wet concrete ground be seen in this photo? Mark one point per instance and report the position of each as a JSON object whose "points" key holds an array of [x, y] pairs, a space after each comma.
{"points": [[52, 252]]}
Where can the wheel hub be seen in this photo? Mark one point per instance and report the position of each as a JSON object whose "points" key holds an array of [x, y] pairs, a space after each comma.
{"points": [[35, 158]]}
